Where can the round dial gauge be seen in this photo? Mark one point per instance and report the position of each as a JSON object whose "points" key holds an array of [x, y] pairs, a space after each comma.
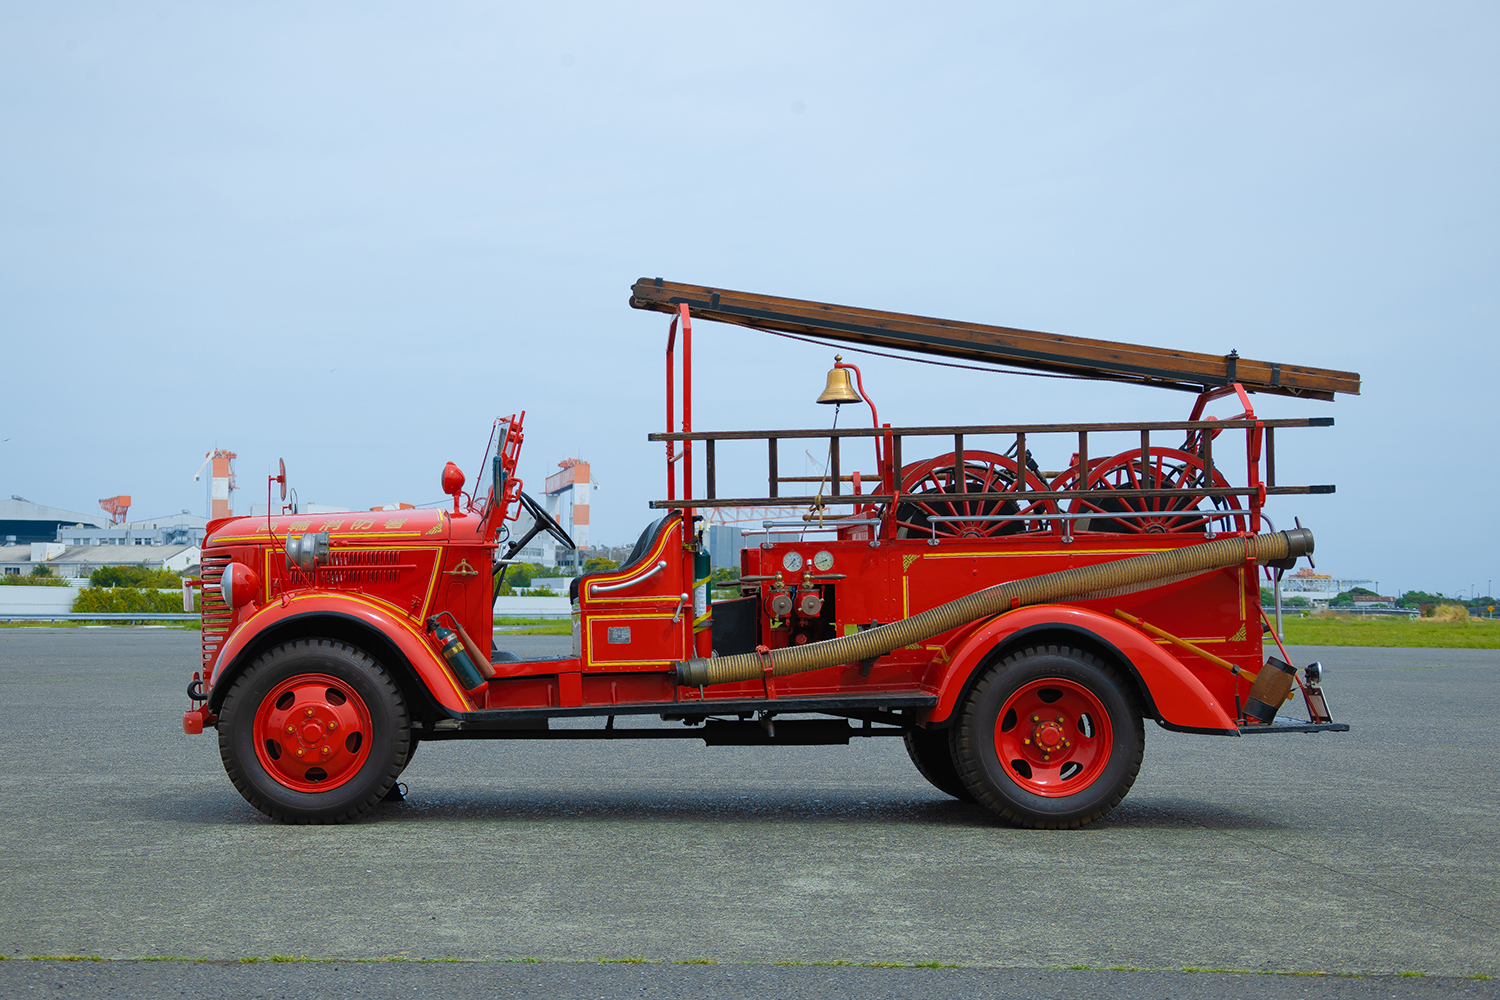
{"points": [[823, 561], [791, 562]]}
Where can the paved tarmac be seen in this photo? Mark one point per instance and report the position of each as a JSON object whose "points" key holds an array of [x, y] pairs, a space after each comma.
{"points": [[1372, 852], [552, 980]]}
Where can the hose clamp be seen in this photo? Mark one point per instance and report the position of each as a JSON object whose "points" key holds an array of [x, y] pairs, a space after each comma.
{"points": [[767, 669]]}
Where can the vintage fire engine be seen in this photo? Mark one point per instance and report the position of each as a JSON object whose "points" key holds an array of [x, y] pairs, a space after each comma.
{"points": [[1013, 603]]}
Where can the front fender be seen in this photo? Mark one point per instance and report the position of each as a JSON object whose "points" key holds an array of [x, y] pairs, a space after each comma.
{"points": [[1178, 699], [396, 628]]}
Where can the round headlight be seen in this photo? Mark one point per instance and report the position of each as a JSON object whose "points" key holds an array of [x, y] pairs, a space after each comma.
{"points": [[1314, 673], [239, 585]]}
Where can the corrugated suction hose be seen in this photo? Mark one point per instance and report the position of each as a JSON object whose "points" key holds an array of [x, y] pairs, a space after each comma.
{"points": [[1084, 583]]}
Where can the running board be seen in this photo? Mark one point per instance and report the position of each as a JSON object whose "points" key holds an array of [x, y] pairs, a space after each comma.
{"points": [[869, 706], [1296, 727]]}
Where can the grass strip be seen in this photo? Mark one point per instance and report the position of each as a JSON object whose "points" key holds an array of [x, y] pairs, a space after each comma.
{"points": [[534, 626], [1429, 633]]}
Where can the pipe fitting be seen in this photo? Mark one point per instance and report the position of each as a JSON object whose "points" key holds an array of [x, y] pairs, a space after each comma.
{"points": [[692, 673]]}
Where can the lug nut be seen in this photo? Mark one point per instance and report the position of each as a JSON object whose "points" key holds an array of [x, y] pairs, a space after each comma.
{"points": [[332, 726], [1046, 756], [300, 751], [1027, 742], [326, 751], [291, 729], [1059, 720], [1036, 718], [309, 713]]}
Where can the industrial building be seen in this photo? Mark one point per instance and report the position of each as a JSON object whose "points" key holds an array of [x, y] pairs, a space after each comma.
{"points": [[71, 544], [23, 522]]}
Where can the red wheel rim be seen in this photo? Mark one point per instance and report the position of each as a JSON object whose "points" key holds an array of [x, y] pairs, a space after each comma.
{"points": [[312, 733], [932, 488], [1169, 469], [1053, 737]]}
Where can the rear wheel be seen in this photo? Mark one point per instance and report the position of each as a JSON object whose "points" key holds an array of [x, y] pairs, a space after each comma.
{"points": [[314, 732], [931, 751], [1049, 737]]}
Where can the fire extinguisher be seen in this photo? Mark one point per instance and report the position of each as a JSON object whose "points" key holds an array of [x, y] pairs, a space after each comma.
{"points": [[452, 648]]}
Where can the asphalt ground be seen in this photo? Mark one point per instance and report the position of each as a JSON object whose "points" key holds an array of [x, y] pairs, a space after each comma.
{"points": [[1370, 853]]}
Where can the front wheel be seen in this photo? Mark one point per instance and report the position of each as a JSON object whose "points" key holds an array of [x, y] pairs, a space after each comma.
{"points": [[1049, 737], [314, 731]]}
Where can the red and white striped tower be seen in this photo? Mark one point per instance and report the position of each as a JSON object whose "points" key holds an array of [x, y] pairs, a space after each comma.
{"points": [[574, 479], [221, 483]]}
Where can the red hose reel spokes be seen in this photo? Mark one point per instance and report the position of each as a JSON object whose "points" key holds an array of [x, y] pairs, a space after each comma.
{"points": [[1053, 737], [1167, 469], [932, 491], [312, 733]]}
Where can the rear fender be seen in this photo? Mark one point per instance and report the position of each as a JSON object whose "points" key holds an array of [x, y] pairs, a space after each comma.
{"points": [[1176, 698], [394, 627]]}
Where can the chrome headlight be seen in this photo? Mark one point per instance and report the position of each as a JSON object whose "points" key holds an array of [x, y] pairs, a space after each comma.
{"points": [[1314, 673], [301, 550]]}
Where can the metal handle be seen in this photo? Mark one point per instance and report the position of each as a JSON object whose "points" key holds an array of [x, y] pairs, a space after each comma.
{"points": [[596, 588]]}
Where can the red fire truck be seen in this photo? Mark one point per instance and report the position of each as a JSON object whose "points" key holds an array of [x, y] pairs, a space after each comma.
{"points": [[1012, 601]]}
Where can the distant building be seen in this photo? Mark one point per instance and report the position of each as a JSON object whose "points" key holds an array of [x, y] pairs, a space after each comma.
{"points": [[71, 561], [724, 542], [23, 522], [1374, 602], [174, 529], [71, 544], [1318, 588]]}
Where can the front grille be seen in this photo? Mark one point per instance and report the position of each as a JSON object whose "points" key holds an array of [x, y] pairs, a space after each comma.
{"points": [[217, 617], [348, 566]]}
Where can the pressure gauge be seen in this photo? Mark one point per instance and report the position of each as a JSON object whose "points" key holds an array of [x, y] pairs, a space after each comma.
{"points": [[791, 562], [823, 561]]}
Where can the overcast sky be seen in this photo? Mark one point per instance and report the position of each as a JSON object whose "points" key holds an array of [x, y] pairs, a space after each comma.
{"points": [[353, 234]]}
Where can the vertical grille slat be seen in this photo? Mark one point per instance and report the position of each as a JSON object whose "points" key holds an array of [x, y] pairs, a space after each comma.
{"points": [[217, 615]]}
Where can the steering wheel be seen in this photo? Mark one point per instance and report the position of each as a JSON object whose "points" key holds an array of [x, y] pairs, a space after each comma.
{"points": [[546, 522]]}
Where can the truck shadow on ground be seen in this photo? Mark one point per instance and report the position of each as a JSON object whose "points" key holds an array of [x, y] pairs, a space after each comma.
{"points": [[729, 808]]}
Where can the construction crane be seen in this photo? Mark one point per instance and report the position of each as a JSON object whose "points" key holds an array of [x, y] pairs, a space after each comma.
{"points": [[115, 507]]}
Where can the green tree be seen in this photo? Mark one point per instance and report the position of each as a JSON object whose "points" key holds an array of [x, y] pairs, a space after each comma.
{"points": [[34, 579], [127, 600], [600, 564], [134, 576], [519, 575]]}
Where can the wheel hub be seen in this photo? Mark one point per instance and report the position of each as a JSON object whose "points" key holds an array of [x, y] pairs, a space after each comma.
{"points": [[1049, 736], [312, 733], [1053, 737]]}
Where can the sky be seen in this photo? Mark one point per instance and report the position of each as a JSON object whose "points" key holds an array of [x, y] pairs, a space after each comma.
{"points": [[351, 235]]}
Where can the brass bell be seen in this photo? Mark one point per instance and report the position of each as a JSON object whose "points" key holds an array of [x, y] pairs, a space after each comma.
{"points": [[840, 388]]}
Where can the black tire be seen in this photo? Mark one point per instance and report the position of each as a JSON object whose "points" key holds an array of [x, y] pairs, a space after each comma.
{"points": [[389, 739], [931, 750], [978, 764]]}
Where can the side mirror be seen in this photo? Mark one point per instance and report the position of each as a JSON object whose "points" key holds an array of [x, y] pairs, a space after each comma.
{"points": [[281, 475]]}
